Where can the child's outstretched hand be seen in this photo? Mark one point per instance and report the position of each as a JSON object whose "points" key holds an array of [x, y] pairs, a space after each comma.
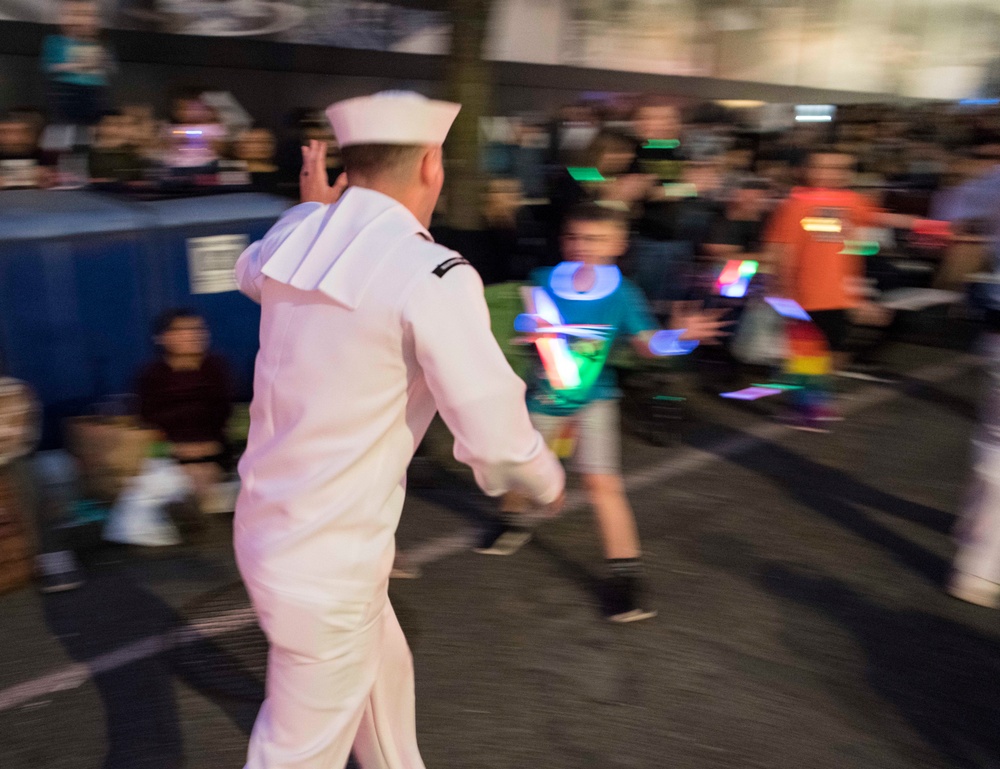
{"points": [[700, 325]]}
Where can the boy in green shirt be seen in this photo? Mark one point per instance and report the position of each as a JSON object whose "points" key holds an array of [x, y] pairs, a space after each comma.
{"points": [[581, 410]]}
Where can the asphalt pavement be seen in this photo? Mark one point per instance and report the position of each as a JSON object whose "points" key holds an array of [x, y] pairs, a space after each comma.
{"points": [[798, 578]]}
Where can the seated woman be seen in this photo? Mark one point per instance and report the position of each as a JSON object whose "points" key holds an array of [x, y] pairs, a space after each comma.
{"points": [[193, 141], [186, 394]]}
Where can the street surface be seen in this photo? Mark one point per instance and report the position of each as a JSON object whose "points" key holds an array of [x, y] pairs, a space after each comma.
{"points": [[802, 622]]}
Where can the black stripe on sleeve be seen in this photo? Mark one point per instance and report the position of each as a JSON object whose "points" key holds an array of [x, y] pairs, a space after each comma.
{"points": [[442, 269]]}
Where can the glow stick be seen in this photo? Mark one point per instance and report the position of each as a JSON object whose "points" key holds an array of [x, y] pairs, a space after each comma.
{"points": [[751, 393], [680, 190], [581, 332], [545, 307], [558, 363], [586, 175], [787, 308], [730, 272], [554, 352], [661, 144], [861, 247], [776, 386], [820, 224], [734, 280]]}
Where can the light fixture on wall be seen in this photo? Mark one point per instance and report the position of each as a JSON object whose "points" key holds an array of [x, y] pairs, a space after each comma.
{"points": [[814, 113], [739, 103]]}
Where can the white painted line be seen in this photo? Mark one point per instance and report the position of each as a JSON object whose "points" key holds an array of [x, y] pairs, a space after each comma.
{"points": [[686, 461], [76, 675], [690, 459], [70, 677], [436, 549]]}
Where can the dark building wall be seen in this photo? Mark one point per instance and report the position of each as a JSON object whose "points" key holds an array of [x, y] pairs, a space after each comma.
{"points": [[270, 79]]}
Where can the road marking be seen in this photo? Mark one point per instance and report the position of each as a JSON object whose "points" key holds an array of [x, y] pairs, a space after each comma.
{"points": [[76, 675], [686, 461], [691, 459]]}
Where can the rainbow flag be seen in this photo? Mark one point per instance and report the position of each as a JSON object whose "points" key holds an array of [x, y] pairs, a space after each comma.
{"points": [[808, 351]]}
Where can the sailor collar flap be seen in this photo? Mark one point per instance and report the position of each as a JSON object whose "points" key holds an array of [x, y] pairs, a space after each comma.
{"points": [[337, 249]]}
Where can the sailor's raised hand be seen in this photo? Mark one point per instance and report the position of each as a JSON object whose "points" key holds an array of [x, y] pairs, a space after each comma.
{"points": [[314, 182]]}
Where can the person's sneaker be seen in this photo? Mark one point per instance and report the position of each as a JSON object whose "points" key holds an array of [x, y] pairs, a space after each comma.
{"points": [[57, 572], [806, 422], [973, 589], [621, 596], [827, 414], [503, 540]]}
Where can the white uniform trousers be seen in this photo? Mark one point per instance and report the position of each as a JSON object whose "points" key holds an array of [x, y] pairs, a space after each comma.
{"points": [[339, 677], [979, 528]]}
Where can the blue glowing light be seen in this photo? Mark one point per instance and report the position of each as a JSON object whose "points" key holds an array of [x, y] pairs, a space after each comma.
{"points": [[787, 308], [607, 278], [668, 342]]}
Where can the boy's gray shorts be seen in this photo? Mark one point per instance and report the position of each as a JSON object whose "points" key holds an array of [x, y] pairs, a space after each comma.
{"points": [[598, 436]]}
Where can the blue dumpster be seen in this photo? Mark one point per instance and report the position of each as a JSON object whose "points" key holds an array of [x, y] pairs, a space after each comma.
{"points": [[71, 295], [204, 235], [83, 275]]}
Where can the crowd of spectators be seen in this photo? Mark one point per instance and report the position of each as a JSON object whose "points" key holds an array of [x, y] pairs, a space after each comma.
{"points": [[84, 139], [698, 185], [130, 149], [700, 182], [629, 145]]}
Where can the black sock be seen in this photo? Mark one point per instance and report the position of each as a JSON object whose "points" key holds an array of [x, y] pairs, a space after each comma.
{"points": [[624, 567], [514, 521]]}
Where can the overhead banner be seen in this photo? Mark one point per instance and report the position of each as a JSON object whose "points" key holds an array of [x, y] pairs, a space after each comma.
{"points": [[411, 27], [921, 48]]}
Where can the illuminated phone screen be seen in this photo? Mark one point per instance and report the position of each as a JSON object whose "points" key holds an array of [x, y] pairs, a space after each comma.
{"points": [[734, 280], [787, 308]]}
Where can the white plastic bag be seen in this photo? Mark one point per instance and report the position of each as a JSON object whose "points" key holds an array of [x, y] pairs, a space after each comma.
{"points": [[760, 337], [138, 516]]}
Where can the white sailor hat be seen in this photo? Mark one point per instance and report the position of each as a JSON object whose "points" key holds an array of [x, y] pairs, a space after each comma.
{"points": [[392, 117]]}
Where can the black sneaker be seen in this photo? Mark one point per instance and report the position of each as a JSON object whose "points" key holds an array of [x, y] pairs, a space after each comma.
{"points": [[57, 572], [502, 539], [621, 599]]}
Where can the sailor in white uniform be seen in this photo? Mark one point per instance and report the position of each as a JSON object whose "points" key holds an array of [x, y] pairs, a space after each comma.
{"points": [[367, 328]]}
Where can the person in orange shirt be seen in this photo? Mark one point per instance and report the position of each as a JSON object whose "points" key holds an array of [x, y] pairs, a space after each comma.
{"points": [[809, 245]]}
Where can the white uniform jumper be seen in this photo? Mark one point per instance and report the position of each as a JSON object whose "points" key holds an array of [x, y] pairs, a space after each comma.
{"points": [[367, 328]]}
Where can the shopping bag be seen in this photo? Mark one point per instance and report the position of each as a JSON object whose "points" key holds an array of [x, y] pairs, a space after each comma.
{"points": [[139, 515], [760, 338]]}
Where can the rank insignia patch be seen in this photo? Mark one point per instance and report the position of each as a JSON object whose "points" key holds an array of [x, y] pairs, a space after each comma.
{"points": [[442, 269]]}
